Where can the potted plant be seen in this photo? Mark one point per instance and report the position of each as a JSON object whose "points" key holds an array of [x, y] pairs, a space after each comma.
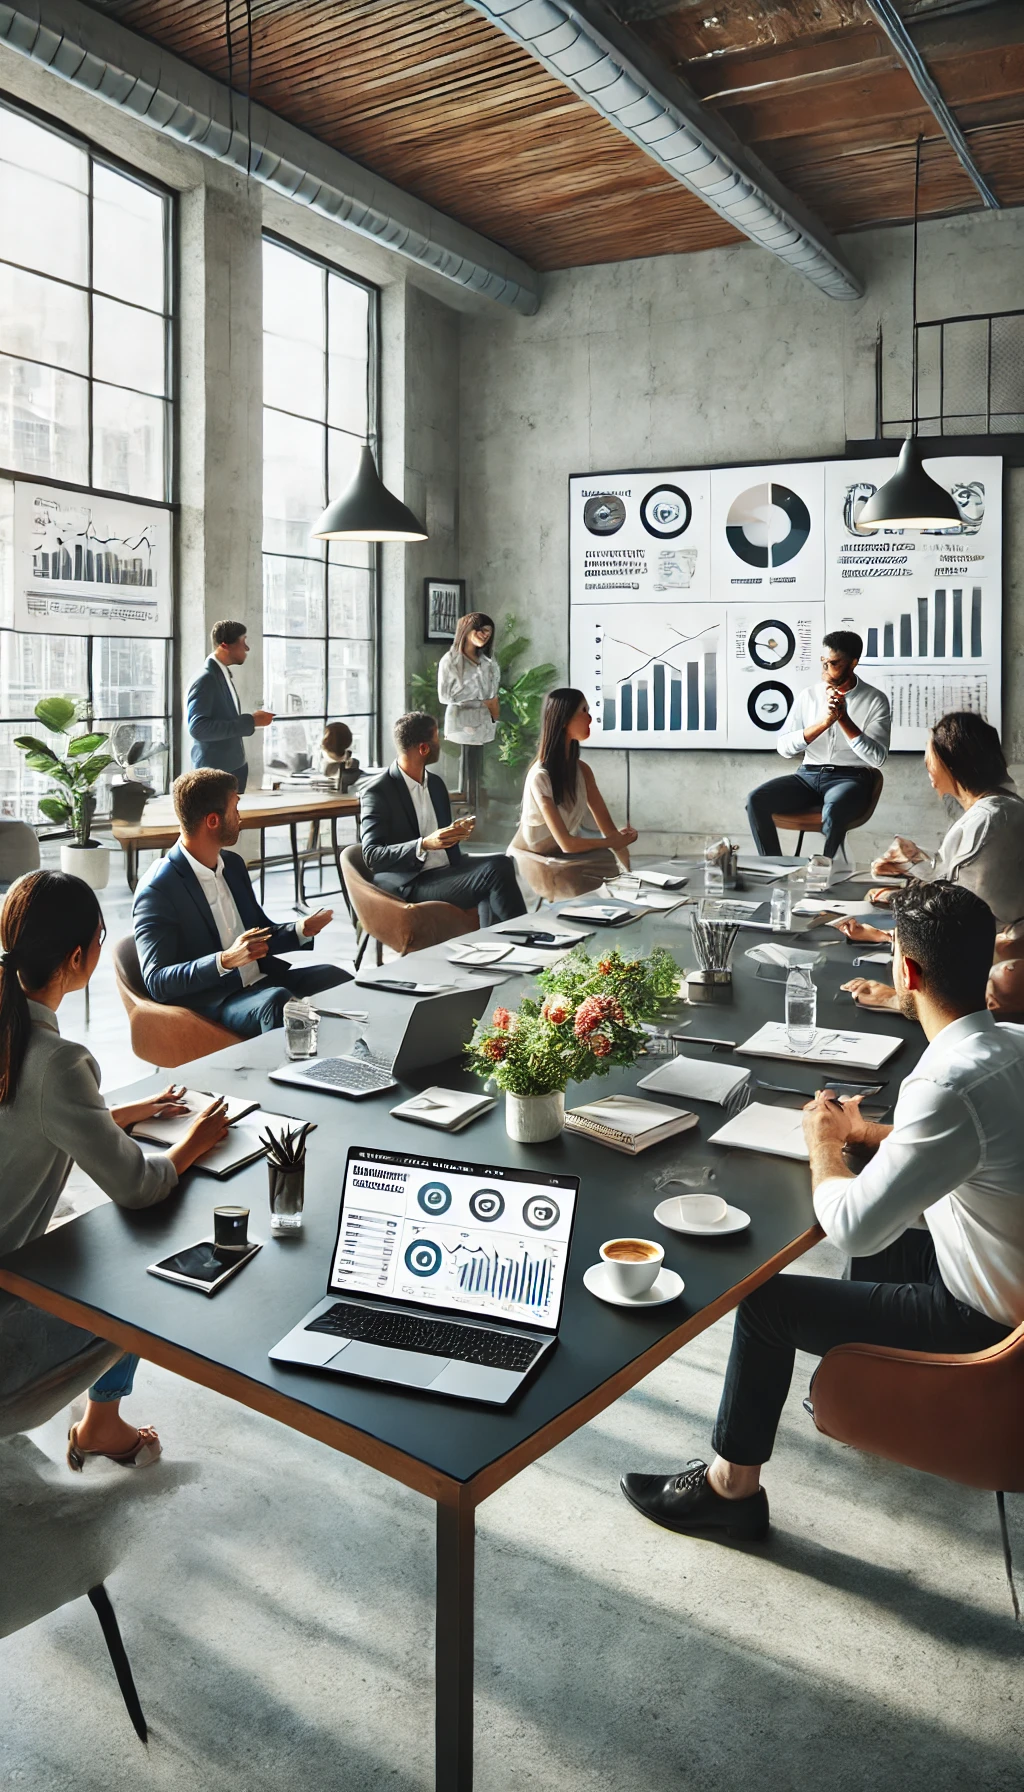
{"points": [[73, 770], [129, 748], [589, 1018]]}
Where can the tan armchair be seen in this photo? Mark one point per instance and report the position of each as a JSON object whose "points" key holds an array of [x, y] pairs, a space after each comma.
{"points": [[388, 921], [162, 1034], [555, 879], [809, 822]]}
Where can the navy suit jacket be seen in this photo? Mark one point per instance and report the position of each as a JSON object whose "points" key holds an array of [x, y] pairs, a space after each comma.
{"points": [[177, 935], [389, 832], [216, 727]]}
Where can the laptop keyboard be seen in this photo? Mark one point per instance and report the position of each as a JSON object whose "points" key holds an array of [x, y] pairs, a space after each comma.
{"points": [[433, 1337], [348, 1073]]}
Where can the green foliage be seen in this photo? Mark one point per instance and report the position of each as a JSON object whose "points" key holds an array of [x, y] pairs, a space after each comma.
{"points": [[74, 769], [591, 1018]]}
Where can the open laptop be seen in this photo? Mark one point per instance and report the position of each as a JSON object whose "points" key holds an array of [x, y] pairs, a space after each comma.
{"points": [[436, 1028], [446, 1276]]}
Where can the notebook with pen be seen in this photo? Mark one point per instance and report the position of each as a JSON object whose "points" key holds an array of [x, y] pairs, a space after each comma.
{"points": [[830, 1045]]}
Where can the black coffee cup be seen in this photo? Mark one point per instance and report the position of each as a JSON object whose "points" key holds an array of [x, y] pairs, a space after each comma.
{"points": [[231, 1228]]}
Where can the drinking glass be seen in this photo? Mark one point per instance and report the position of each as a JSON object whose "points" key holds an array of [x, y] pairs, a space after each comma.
{"points": [[287, 1197], [819, 873], [801, 1010], [301, 1023], [714, 875]]}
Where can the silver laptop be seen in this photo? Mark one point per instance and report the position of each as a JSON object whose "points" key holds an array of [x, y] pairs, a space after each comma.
{"points": [[436, 1028], [446, 1276]]}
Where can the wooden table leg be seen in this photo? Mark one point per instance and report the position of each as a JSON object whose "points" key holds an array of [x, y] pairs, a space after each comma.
{"points": [[336, 849], [297, 868], [453, 1653], [131, 869]]}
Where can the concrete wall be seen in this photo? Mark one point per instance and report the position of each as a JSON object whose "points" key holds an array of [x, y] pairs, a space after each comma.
{"points": [[724, 356]]}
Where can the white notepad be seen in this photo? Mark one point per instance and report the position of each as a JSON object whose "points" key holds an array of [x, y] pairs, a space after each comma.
{"points": [[831, 1045], [813, 905], [779, 1131], [448, 1109], [172, 1129], [665, 880], [699, 1079]]}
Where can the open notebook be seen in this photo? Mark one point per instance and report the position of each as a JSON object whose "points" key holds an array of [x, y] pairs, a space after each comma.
{"points": [[779, 1131]]}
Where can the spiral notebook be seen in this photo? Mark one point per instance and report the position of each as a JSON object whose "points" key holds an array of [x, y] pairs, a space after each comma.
{"points": [[628, 1123]]}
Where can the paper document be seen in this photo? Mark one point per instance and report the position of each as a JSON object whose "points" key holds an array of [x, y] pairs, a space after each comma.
{"points": [[829, 1046], [172, 1130], [662, 901], [789, 957], [778, 1131], [699, 1079], [884, 882], [448, 1109], [664, 880], [815, 905]]}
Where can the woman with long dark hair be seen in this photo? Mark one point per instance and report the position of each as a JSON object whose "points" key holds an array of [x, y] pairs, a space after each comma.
{"points": [[468, 677], [52, 1115], [561, 790]]}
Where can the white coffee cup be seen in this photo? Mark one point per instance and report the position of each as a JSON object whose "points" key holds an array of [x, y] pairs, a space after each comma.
{"points": [[703, 1210], [630, 1273]]}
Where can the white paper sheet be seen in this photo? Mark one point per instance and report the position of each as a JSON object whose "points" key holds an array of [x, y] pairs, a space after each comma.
{"points": [[865, 1051], [778, 1131], [699, 1079]]}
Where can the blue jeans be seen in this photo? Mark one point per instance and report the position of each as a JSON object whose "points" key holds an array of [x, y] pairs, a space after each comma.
{"points": [[118, 1381], [841, 791]]}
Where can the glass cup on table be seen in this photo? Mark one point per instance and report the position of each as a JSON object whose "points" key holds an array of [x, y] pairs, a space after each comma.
{"points": [[301, 1026], [287, 1197]]}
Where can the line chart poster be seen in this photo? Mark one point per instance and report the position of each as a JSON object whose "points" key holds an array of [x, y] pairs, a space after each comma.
{"points": [[85, 564], [698, 598]]}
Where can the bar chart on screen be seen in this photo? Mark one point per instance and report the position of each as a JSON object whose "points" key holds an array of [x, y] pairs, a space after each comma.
{"points": [[655, 674], [947, 624]]}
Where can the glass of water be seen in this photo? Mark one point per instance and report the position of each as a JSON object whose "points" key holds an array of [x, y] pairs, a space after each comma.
{"points": [[801, 1009], [714, 872], [301, 1023], [626, 886], [819, 873]]}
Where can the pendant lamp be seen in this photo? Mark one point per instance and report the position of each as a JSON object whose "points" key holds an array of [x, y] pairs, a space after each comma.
{"points": [[367, 511], [911, 499]]}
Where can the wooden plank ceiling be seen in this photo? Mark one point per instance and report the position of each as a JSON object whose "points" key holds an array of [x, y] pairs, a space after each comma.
{"points": [[433, 96]]}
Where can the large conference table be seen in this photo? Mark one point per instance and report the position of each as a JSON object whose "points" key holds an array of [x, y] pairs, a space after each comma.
{"points": [[93, 1271]]}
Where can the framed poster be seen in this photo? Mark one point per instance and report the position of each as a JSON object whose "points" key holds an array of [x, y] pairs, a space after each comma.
{"points": [[86, 565], [444, 601]]}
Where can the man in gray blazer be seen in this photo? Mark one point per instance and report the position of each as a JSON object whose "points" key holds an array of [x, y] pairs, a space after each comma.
{"points": [[216, 720], [410, 844]]}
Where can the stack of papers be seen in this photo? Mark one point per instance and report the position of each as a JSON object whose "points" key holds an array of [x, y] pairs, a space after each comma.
{"points": [[606, 914], [448, 1109], [698, 1079], [829, 1046], [789, 957], [664, 880], [779, 1131], [628, 1123]]}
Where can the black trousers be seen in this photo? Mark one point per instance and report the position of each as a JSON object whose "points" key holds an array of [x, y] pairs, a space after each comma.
{"points": [[487, 883], [896, 1298], [841, 791]]}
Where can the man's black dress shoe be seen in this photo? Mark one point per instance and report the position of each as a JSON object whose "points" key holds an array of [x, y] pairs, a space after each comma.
{"points": [[686, 1503]]}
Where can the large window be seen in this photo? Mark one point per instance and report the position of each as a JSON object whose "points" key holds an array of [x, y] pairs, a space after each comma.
{"points": [[319, 599], [85, 403]]}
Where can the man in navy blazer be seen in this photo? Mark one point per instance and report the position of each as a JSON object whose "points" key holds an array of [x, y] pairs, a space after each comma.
{"points": [[412, 847], [204, 942], [216, 720]]}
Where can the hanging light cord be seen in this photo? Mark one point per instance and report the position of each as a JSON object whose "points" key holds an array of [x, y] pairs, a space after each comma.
{"points": [[248, 88], [231, 70], [917, 185]]}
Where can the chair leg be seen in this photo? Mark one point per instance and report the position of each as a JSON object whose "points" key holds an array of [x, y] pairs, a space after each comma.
{"points": [[380, 953], [799, 845], [361, 950], [1007, 1557], [100, 1602]]}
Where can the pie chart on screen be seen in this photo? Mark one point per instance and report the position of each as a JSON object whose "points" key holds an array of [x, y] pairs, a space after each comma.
{"points": [[767, 525]]}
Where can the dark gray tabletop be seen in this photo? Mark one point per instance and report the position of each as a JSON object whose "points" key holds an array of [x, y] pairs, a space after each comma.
{"points": [[99, 1261]]}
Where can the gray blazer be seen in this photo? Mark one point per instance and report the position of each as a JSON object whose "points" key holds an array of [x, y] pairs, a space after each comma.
{"points": [[216, 727], [57, 1117]]}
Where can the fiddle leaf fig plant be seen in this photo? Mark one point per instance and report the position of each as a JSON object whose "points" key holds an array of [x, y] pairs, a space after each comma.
{"points": [[73, 766]]}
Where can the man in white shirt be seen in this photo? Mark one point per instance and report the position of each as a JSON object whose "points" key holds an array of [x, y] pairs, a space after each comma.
{"points": [[203, 940], [216, 720], [841, 728], [410, 845], [934, 1223]]}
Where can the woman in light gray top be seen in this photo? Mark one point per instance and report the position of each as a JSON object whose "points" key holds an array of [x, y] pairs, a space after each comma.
{"points": [[52, 1114]]}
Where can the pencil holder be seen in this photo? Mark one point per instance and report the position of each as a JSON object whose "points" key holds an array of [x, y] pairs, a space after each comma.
{"points": [[287, 1195]]}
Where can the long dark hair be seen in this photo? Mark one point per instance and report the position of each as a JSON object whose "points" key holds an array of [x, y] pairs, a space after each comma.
{"points": [[559, 757], [970, 750], [465, 627], [45, 917]]}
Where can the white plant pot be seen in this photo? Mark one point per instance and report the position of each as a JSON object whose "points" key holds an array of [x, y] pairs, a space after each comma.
{"points": [[530, 1119], [91, 863]]}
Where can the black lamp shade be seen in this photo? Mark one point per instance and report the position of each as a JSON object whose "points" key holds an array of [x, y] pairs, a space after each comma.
{"points": [[911, 499], [367, 511]]}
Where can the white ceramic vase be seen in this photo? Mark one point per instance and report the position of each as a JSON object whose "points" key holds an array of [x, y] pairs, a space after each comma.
{"points": [[91, 863], [530, 1119]]}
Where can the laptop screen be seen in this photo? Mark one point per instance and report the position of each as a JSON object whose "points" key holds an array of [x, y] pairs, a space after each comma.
{"points": [[455, 1237]]}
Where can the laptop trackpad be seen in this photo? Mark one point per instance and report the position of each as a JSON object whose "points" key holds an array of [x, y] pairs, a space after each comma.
{"points": [[407, 1367]]}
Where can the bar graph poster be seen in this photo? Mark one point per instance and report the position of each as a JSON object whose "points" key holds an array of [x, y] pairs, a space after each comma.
{"points": [[928, 603], [87, 565], [654, 673]]}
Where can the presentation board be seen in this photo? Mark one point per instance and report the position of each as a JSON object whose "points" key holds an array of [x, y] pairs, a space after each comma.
{"points": [[698, 598]]}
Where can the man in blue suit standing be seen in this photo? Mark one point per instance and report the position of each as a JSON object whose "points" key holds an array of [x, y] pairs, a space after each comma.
{"points": [[216, 720], [204, 942]]}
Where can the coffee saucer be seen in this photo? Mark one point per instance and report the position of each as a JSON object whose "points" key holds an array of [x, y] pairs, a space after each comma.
{"points": [[670, 1213], [669, 1286]]}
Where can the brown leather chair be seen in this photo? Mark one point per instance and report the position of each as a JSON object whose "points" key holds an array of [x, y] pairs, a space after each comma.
{"points": [[961, 1417], [162, 1034], [388, 921], [571, 874], [809, 820]]}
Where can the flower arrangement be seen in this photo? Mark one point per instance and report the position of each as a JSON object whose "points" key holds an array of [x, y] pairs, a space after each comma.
{"points": [[589, 1017]]}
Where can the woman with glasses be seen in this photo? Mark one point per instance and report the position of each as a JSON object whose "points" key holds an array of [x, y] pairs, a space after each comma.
{"points": [[468, 677], [52, 1115]]}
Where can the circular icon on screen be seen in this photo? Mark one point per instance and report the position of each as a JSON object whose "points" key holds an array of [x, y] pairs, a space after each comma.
{"points": [[767, 525], [435, 1198], [771, 645], [540, 1213], [769, 704], [423, 1257], [666, 512], [604, 514], [486, 1205]]}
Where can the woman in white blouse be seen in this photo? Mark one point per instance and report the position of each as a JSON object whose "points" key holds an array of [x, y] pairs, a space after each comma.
{"points": [[468, 677], [560, 790]]}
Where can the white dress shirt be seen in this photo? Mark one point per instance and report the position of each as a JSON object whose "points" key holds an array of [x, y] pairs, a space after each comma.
{"points": [[465, 686], [226, 918], [866, 707], [984, 849], [956, 1157], [426, 821], [235, 698]]}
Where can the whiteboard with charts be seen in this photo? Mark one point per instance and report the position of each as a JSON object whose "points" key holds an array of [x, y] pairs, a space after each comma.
{"points": [[698, 598]]}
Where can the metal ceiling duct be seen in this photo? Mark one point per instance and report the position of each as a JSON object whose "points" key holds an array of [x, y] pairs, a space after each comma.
{"points": [[587, 47], [102, 58]]}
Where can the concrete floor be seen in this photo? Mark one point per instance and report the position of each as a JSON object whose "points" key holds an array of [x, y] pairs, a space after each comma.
{"points": [[279, 1613]]}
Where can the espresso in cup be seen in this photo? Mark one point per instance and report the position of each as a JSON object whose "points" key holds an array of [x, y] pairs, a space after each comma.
{"points": [[632, 1264], [231, 1228]]}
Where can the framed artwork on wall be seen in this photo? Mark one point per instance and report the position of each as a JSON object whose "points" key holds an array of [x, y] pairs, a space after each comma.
{"points": [[444, 601]]}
